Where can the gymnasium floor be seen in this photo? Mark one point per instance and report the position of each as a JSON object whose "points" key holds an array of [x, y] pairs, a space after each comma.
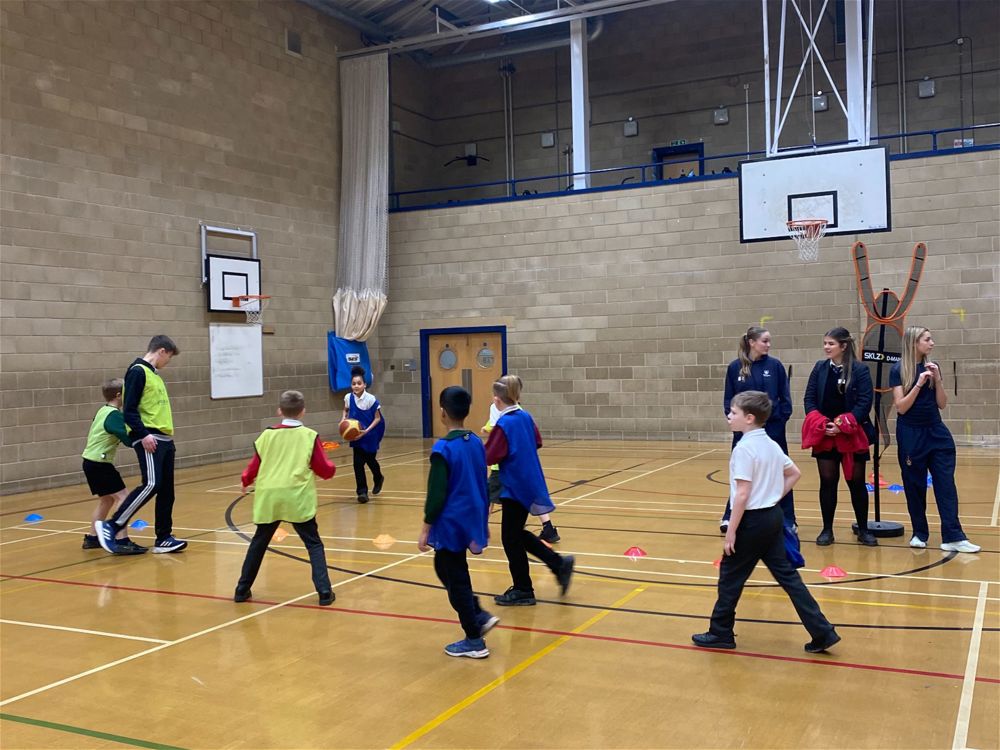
{"points": [[151, 651]]}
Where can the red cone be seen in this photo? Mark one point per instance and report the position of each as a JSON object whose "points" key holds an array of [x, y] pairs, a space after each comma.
{"points": [[634, 552], [832, 571]]}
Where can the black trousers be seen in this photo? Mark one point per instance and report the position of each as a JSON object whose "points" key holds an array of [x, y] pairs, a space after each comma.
{"points": [[157, 479], [452, 570], [363, 458], [759, 537], [518, 542], [308, 533]]}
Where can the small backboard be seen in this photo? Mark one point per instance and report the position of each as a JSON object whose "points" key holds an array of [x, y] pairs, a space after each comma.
{"points": [[229, 278], [849, 188]]}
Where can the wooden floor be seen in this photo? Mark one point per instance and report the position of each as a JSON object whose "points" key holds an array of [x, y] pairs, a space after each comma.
{"points": [[150, 651]]}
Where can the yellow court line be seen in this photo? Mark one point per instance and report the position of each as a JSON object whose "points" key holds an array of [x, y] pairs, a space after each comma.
{"points": [[509, 674]]}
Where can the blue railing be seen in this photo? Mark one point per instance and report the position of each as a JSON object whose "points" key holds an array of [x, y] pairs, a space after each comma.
{"points": [[723, 166]]}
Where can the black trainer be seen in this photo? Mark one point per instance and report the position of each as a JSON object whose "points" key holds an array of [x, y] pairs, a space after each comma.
{"points": [[565, 573], [868, 539], [549, 534], [127, 547], [326, 598], [818, 645], [513, 597], [90, 542], [362, 497], [242, 595], [377, 487], [825, 538], [711, 640]]}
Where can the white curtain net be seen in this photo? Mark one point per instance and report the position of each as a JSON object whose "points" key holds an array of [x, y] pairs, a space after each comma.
{"points": [[364, 196]]}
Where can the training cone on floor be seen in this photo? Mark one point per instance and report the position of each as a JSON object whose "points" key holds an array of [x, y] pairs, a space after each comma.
{"points": [[383, 541], [832, 571], [279, 535], [895, 488], [329, 445], [881, 480], [138, 524], [33, 518], [718, 563], [635, 552]]}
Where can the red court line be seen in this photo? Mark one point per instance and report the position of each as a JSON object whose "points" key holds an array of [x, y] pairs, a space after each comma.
{"points": [[544, 631]]}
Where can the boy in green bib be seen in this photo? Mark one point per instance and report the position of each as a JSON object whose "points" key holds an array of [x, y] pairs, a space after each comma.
{"points": [[106, 431], [287, 459]]}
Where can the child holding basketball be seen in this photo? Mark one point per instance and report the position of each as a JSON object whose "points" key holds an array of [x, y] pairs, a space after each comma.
{"points": [[106, 431], [456, 519], [549, 533], [760, 474], [359, 404], [287, 459], [513, 444]]}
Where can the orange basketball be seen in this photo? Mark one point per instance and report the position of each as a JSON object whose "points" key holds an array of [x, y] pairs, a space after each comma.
{"points": [[350, 429]]}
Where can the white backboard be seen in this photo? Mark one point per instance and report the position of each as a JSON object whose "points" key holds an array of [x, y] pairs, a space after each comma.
{"points": [[847, 187], [228, 278]]}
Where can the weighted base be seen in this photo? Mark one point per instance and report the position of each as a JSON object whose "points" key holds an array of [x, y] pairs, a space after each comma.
{"points": [[882, 528]]}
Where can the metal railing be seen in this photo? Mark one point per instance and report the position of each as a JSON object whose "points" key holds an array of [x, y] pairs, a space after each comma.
{"points": [[643, 175]]}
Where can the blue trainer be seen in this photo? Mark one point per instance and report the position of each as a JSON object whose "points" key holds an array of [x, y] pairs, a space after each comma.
{"points": [[474, 648], [105, 533], [486, 621], [168, 544]]}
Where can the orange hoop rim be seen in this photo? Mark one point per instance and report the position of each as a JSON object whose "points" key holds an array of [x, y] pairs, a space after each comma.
{"points": [[241, 299], [809, 227]]}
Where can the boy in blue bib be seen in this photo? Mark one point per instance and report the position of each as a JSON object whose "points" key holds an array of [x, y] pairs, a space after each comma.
{"points": [[456, 519]]}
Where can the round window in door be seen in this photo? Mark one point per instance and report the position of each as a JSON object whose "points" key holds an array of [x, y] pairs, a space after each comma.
{"points": [[485, 357], [447, 359]]}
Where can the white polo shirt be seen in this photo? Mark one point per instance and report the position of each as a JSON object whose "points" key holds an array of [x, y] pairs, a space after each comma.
{"points": [[759, 460]]}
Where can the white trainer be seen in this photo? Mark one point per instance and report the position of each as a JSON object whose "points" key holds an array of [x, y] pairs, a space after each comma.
{"points": [[917, 543], [963, 546]]}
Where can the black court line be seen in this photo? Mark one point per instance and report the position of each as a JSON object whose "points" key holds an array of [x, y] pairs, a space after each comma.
{"points": [[407, 582]]}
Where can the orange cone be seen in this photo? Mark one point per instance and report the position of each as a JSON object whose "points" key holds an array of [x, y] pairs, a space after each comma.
{"points": [[383, 541], [718, 563], [279, 534]]}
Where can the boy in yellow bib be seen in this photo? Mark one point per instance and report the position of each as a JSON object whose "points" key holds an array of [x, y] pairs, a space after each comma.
{"points": [[287, 459]]}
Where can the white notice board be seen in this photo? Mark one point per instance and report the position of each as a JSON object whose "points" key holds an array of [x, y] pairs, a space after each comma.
{"points": [[236, 360]]}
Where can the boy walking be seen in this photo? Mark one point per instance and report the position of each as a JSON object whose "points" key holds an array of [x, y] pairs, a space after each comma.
{"points": [[106, 431], [456, 517], [760, 474], [151, 428], [287, 459]]}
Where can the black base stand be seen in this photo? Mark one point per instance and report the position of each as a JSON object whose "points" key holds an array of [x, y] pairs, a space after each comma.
{"points": [[882, 528]]}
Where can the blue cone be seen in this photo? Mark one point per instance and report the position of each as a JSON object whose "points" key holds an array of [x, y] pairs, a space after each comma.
{"points": [[897, 488], [930, 482], [33, 518], [138, 524], [869, 487]]}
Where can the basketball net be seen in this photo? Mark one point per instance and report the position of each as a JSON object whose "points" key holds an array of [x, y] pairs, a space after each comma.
{"points": [[807, 233], [253, 306]]}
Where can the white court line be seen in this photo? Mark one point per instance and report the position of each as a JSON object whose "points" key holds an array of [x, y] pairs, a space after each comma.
{"points": [[40, 536], [996, 504], [168, 644], [82, 631], [640, 476], [969, 682]]}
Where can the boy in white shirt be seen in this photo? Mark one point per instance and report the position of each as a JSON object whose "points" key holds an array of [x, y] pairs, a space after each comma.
{"points": [[760, 474]]}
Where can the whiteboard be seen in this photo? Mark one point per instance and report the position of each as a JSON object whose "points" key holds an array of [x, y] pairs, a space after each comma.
{"points": [[236, 360]]}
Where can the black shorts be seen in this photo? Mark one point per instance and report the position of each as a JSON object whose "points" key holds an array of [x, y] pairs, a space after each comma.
{"points": [[103, 478], [493, 486]]}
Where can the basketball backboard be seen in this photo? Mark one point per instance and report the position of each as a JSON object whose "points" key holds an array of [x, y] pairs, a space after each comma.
{"points": [[229, 278], [849, 188]]}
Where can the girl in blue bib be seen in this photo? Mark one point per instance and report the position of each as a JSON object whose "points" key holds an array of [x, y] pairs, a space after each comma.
{"points": [[364, 407]]}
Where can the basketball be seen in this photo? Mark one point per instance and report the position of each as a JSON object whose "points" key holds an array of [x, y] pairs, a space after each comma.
{"points": [[350, 429]]}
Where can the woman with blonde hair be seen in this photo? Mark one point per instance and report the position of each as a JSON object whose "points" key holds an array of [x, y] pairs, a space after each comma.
{"points": [[924, 443]]}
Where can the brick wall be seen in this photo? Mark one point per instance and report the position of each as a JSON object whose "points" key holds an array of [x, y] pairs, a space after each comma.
{"points": [[124, 125], [624, 308]]}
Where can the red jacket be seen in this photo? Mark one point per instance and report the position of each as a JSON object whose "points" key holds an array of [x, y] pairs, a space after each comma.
{"points": [[850, 440]]}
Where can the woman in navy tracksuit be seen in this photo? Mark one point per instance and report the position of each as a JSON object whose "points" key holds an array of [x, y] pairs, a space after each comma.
{"points": [[837, 385], [924, 442], [755, 370]]}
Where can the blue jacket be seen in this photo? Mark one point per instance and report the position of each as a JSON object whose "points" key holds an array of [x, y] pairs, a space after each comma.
{"points": [[767, 374], [857, 400]]}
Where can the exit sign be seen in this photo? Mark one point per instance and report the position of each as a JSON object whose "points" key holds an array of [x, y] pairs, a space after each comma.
{"points": [[678, 142]]}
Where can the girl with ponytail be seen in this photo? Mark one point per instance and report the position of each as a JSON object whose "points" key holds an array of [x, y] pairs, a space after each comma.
{"points": [[755, 370]]}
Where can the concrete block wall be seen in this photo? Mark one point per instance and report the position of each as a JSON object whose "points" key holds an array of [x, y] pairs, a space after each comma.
{"points": [[624, 308], [125, 124], [670, 66]]}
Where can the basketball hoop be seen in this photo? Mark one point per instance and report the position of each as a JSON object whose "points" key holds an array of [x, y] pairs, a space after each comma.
{"points": [[807, 233], [253, 305]]}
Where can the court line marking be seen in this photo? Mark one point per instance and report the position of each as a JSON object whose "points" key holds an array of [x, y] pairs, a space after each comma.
{"points": [[969, 679], [41, 536], [603, 505], [510, 673], [996, 504], [88, 732], [82, 631], [640, 476], [192, 636]]}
